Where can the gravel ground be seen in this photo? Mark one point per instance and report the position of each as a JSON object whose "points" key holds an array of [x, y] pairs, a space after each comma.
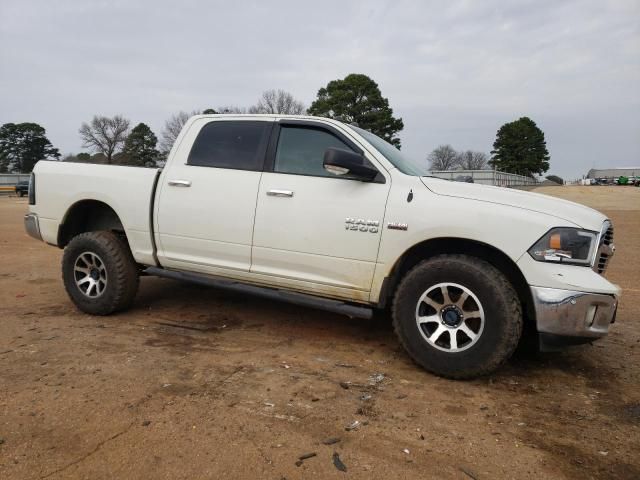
{"points": [[198, 383]]}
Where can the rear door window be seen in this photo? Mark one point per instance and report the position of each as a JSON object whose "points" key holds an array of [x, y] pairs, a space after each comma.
{"points": [[236, 145]]}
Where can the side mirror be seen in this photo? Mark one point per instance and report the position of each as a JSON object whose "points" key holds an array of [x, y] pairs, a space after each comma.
{"points": [[345, 162]]}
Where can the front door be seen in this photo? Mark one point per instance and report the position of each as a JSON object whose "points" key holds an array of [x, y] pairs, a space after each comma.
{"points": [[207, 199], [315, 231]]}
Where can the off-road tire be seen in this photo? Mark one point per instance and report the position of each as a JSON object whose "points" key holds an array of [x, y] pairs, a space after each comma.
{"points": [[121, 272], [502, 316]]}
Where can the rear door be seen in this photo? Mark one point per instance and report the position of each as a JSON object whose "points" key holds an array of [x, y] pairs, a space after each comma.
{"points": [[315, 231], [207, 199]]}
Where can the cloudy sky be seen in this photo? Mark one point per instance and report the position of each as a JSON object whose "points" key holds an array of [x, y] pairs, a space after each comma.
{"points": [[453, 70]]}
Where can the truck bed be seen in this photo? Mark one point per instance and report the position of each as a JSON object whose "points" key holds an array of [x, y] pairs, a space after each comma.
{"points": [[128, 190]]}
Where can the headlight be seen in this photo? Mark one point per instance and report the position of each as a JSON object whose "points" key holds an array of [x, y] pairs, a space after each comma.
{"points": [[565, 245]]}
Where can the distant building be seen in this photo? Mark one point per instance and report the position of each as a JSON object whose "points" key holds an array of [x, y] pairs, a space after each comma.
{"points": [[614, 172]]}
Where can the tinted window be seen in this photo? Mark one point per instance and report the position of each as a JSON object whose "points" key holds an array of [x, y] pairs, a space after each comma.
{"points": [[301, 151], [238, 145]]}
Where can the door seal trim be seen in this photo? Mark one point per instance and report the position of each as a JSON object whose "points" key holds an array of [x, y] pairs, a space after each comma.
{"points": [[152, 206]]}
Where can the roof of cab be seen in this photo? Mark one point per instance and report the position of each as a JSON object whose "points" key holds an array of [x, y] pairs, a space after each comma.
{"points": [[268, 115]]}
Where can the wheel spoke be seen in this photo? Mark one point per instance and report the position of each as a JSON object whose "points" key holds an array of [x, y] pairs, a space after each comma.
{"points": [[84, 270], [473, 314], [468, 332], [437, 332], [445, 295], [453, 340], [462, 299], [432, 303], [84, 280], [429, 319]]}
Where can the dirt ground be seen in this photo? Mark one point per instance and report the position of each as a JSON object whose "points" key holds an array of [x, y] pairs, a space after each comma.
{"points": [[199, 383]]}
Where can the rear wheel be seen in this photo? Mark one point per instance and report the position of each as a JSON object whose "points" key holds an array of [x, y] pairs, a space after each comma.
{"points": [[457, 316], [99, 273]]}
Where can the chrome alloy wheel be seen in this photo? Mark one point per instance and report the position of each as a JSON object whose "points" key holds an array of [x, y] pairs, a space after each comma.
{"points": [[450, 317], [90, 274]]}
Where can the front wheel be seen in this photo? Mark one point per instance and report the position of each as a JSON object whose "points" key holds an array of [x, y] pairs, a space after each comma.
{"points": [[457, 316], [99, 273]]}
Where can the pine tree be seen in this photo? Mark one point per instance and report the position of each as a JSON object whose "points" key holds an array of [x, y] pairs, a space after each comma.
{"points": [[357, 98], [22, 145], [140, 147], [520, 148]]}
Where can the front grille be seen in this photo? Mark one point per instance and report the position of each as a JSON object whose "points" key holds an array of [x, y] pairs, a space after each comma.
{"points": [[602, 262], [605, 249], [608, 236]]}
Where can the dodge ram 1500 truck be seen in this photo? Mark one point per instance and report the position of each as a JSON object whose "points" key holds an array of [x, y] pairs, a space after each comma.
{"points": [[328, 215]]}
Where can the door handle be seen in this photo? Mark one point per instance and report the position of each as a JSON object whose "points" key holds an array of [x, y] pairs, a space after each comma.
{"points": [[180, 183], [280, 193]]}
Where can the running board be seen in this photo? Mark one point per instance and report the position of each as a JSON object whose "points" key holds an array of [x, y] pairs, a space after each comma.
{"points": [[329, 305]]}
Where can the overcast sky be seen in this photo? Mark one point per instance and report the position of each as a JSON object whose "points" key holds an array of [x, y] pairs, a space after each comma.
{"points": [[453, 70]]}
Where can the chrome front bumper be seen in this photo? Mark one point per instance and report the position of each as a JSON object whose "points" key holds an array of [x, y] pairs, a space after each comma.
{"points": [[570, 313], [32, 226]]}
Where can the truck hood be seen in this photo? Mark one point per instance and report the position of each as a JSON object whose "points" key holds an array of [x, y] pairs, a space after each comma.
{"points": [[575, 213]]}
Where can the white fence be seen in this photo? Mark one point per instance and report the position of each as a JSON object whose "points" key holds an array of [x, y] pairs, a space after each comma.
{"points": [[8, 182], [11, 179], [487, 177]]}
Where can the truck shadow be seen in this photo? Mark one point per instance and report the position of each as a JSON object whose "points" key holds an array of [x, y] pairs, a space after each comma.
{"points": [[184, 309]]}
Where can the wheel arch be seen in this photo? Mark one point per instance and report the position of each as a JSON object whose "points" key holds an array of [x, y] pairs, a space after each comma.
{"points": [[88, 215], [454, 245]]}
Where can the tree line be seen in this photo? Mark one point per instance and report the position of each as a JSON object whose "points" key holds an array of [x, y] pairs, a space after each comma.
{"points": [[519, 147]]}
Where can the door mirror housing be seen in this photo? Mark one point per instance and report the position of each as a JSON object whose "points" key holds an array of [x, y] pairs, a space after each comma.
{"points": [[338, 161]]}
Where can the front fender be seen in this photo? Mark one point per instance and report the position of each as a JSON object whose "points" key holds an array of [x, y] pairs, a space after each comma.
{"points": [[509, 229]]}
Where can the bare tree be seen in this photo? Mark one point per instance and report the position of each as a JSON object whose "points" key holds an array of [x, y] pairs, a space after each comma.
{"points": [[443, 158], [172, 128], [278, 101], [105, 135], [231, 110], [471, 160]]}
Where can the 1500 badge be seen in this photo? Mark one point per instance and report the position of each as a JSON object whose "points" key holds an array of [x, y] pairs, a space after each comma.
{"points": [[361, 225]]}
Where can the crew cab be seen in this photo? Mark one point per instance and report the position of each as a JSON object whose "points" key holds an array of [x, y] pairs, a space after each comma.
{"points": [[328, 215]]}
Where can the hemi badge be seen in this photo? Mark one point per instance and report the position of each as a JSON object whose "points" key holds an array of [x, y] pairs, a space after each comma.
{"points": [[397, 226]]}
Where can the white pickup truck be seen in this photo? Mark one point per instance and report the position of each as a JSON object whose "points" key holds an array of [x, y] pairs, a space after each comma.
{"points": [[324, 214]]}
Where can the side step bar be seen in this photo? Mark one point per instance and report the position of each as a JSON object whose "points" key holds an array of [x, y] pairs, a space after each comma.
{"points": [[335, 306]]}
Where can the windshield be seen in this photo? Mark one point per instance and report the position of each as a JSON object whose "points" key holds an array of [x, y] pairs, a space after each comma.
{"points": [[392, 154]]}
